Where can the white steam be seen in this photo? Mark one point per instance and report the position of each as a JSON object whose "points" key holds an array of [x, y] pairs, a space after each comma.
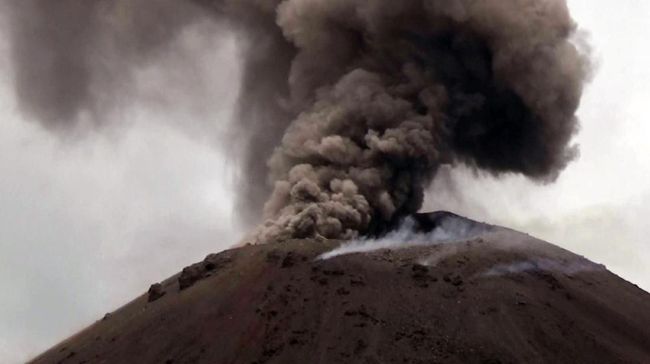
{"points": [[450, 230]]}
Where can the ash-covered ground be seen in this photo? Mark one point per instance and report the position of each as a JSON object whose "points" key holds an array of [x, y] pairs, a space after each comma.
{"points": [[488, 295]]}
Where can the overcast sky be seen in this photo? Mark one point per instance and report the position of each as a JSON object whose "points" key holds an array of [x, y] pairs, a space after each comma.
{"points": [[89, 223]]}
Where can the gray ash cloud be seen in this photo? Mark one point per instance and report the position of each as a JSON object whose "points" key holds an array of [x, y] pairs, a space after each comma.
{"points": [[356, 102]]}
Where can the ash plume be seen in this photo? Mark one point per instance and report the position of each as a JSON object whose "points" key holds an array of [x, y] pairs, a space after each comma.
{"points": [[358, 102], [73, 59]]}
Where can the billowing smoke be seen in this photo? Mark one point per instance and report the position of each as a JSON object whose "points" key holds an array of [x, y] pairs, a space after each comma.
{"points": [[358, 102]]}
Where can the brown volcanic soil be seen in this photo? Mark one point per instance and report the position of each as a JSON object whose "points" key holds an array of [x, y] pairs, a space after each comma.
{"points": [[277, 304]]}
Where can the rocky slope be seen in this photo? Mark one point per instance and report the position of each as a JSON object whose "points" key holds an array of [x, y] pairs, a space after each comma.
{"points": [[492, 296]]}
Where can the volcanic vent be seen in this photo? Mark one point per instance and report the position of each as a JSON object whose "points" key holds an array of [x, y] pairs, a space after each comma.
{"points": [[492, 296]]}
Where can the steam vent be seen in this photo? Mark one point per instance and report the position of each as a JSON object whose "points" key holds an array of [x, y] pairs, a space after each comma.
{"points": [[478, 294]]}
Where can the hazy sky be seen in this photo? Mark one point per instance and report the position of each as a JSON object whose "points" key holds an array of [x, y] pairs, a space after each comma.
{"points": [[87, 224]]}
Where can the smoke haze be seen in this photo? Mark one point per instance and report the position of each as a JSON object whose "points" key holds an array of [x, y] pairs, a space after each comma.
{"points": [[406, 235], [358, 103]]}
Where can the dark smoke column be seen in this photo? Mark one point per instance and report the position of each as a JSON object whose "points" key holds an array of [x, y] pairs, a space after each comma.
{"points": [[358, 101], [387, 91]]}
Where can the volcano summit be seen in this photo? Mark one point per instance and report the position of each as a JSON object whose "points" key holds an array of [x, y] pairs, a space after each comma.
{"points": [[484, 295]]}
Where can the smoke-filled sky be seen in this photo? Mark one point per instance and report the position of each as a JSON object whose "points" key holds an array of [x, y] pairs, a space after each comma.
{"points": [[89, 221], [357, 103]]}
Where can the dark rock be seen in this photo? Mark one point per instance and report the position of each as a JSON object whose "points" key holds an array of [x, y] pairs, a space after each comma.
{"points": [[190, 275], [342, 291], [195, 272], [217, 261], [273, 256], [289, 260], [419, 269], [357, 282], [420, 274], [360, 347], [334, 272], [155, 292]]}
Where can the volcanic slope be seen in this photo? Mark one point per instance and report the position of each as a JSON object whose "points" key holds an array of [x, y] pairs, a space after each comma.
{"points": [[497, 296]]}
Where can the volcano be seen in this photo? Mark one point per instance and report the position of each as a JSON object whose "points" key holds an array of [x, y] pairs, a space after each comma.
{"points": [[489, 295]]}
